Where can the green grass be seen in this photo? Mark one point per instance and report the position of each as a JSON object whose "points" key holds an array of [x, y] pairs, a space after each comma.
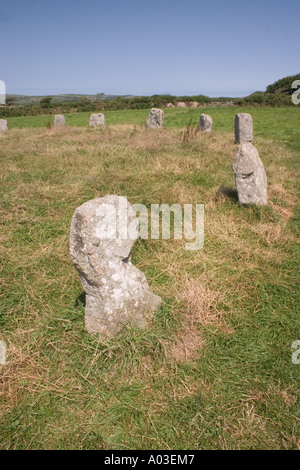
{"points": [[279, 123], [214, 369]]}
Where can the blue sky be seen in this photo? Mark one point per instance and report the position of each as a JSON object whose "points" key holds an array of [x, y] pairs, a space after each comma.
{"points": [[218, 48]]}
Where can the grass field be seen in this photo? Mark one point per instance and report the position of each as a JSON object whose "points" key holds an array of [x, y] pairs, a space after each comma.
{"points": [[214, 370], [279, 123]]}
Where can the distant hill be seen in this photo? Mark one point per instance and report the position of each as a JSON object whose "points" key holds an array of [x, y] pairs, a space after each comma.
{"points": [[277, 94], [65, 98]]}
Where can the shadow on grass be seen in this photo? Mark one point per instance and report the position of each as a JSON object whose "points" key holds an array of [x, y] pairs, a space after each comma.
{"points": [[227, 192], [80, 301]]}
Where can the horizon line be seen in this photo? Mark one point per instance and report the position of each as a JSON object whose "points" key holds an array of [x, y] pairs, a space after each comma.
{"points": [[221, 94]]}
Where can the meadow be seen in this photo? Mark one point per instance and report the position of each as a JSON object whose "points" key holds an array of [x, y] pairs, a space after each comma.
{"points": [[214, 370]]}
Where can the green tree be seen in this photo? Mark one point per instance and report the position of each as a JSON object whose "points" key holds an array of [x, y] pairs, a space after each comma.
{"points": [[46, 101]]}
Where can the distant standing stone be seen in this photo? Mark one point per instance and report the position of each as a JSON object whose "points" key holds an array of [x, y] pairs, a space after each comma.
{"points": [[97, 120], [155, 119], [117, 292], [194, 104], [250, 175], [59, 120], [205, 124], [243, 128], [3, 125], [181, 104], [170, 105]]}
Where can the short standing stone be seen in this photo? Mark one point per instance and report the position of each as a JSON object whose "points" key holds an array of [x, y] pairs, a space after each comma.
{"points": [[97, 120], [194, 104], [155, 119], [250, 175], [243, 128], [181, 104], [205, 124], [170, 105], [117, 293], [59, 120], [3, 125]]}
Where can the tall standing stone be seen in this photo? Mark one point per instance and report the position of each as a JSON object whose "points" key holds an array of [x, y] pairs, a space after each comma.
{"points": [[205, 124], [59, 120], [117, 293], [243, 128], [155, 119], [3, 125], [97, 119], [250, 175]]}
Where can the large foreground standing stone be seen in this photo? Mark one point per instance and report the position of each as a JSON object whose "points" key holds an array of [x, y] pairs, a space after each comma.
{"points": [[243, 128], [250, 175], [117, 293], [155, 119], [205, 124], [3, 125], [59, 120], [97, 120]]}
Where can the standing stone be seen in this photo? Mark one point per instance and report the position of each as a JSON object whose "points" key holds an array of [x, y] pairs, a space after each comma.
{"points": [[243, 128], [170, 105], [59, 120], [97, 120], [205, 124], [181, 104], [194, 104], [155, 119], [250, 175], [3, 125], [117, 293]]}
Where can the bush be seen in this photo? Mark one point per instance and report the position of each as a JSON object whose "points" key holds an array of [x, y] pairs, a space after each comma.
{"points": [[284, 85], [46, 102]]}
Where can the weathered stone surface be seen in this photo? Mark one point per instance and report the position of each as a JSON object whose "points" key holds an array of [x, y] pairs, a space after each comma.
{"points": [[170, 105], [243, 128], [97, 119], [194, 104], [155, 119], [117, 293], [205, 124], [3, 125], [250, 175], [221, 104], [59, 120], [181, 104]]}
